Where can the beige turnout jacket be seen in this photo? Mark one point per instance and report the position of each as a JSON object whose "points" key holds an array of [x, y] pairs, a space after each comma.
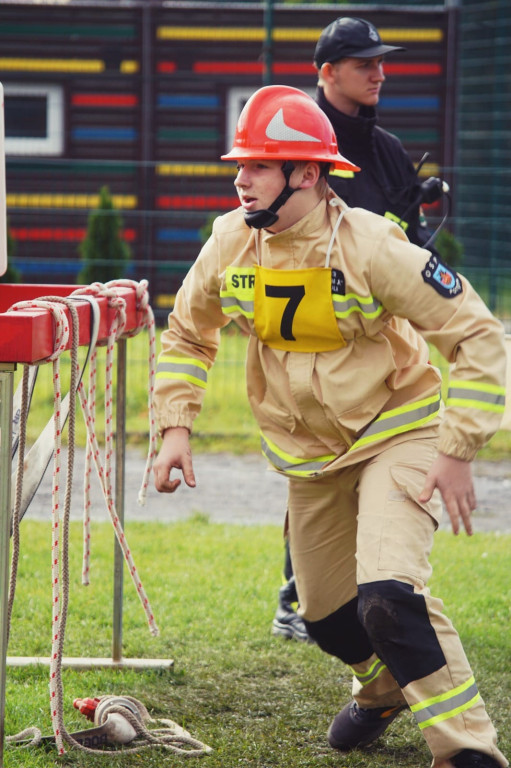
{"points": [[381, 300]]}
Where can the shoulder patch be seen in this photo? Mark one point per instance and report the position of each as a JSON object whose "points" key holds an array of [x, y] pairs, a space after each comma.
{"points": [[443, 279]]}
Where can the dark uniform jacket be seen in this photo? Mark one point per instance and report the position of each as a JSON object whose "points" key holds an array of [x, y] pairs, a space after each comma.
{"points": [[387, 183]]}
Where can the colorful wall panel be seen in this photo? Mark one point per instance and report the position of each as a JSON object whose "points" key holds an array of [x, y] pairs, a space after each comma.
{"points": [[148, 96]]}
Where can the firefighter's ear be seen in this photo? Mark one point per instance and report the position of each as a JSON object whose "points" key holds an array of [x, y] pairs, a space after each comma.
{"points": [[310, 175]]}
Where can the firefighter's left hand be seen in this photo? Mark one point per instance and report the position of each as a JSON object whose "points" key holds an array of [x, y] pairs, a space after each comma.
{"points": [[453, 478]]}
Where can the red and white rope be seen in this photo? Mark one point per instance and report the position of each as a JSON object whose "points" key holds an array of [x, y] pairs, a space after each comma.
{"points": [[93, 452], [146, 321], [60, 523], [58, 311]]}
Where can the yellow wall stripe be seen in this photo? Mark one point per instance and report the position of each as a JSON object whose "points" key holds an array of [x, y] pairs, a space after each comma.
{"points": [[19, 200], [53, 65], [286, 34], [129, 67], [195, 169]]}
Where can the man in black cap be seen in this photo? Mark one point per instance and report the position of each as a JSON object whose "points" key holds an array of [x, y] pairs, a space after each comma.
{"points": [[349, 57]]}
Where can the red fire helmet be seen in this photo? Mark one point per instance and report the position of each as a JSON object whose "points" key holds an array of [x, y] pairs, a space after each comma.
{"points": [[279, 122]]}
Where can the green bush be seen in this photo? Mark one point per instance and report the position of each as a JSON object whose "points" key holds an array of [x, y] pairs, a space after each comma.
{"points": [[104, 253], [449, 248]]}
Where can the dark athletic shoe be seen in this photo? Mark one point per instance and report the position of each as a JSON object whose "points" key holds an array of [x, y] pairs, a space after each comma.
{"points": [[356, 727], [288, 624], [468, 758]]}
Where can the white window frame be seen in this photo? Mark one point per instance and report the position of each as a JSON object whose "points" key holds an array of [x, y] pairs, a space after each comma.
{"points": [[53, 143]]}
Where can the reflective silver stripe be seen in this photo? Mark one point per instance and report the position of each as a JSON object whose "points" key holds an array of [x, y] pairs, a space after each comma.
{"points": [[364, 678], [484, 396], [290, 464], [187, 369], [400, 420], [447, 705], [345, 305], [232, 304]]}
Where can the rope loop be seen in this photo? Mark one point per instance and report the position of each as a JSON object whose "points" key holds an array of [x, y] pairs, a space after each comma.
{"points": [[58, 312], [115, 302]]}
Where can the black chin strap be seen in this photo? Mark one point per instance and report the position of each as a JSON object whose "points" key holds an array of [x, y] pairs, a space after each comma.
{"points": [[267, 216]]}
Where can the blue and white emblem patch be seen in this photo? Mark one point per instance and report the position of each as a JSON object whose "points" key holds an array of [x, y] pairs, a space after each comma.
{"points": [[443, 279]]}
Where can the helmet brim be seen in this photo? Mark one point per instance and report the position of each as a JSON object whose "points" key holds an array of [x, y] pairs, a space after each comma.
{"points": [[339, 162]]}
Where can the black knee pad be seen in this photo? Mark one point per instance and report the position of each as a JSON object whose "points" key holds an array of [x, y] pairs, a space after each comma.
{"points": [[342, 635], [397, 623]]}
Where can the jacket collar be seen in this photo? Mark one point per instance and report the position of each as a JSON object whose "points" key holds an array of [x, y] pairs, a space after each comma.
{"points": [[350, 128]]}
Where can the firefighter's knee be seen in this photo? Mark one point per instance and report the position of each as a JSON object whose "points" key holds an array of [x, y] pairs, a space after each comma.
{"points": [[342, 635], [397, 623]]}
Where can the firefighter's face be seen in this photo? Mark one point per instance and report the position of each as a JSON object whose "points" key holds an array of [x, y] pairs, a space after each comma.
{"points": [[258, 183], [351, 83]]}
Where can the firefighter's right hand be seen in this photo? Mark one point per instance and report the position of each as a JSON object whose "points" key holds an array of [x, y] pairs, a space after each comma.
{"points": [[175, 453]]}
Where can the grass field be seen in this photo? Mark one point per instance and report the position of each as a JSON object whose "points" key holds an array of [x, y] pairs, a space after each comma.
{"points": [[258, 701]]}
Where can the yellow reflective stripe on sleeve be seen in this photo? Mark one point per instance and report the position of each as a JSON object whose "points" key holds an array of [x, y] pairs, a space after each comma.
{"points": [[343, 174], [447, 705], [364, 678], [232, 304], [474, 394], [368, 306], [400, 420], [182, 368], [290, 464], [238, 294]]}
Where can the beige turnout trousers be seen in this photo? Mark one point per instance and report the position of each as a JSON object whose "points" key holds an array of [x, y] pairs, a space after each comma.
{"points": [[363, 527]]}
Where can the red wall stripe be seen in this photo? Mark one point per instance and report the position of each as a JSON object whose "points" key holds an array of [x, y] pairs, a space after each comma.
{"points": [[301, 68], [104, 100], [52, 233], [228, 67], [166, 66], [290, 68], [197, 201], [412, 69]]}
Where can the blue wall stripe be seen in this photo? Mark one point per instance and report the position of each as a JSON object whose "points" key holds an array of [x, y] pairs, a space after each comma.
{"points": [[172, 235], [410, 102], [104, 134], [56, 267], [189, 102]]}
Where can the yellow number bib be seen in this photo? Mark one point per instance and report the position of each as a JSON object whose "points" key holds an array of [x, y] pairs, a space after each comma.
{"points": [[293, 310]]}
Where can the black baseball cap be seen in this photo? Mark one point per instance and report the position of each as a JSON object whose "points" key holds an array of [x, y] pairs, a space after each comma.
{"points": [[350, 37]]}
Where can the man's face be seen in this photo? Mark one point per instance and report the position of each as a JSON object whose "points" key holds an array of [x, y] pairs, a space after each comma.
{"points": [[258, 183], [351, 83]]}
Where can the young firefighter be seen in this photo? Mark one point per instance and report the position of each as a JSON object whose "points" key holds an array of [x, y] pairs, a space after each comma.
{"points": [[349, 409], [349, 58]]}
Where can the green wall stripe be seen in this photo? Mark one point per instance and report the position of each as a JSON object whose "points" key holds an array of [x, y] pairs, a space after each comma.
{"points": [[61, 30]]}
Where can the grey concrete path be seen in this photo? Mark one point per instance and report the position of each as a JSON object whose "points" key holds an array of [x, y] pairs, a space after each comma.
{"points": [[242, 490]]}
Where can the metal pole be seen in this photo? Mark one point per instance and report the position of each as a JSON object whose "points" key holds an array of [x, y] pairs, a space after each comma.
{"points": [[120, 457], [6, 394], [268, 43]]}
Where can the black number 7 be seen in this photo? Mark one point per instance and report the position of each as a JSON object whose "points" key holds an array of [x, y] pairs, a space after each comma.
{"points": [[295, 294]]}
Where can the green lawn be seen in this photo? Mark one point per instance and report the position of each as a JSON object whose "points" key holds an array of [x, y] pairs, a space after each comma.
{"points": [[258, 701]]}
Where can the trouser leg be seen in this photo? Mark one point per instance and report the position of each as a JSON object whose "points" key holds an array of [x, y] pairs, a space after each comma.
{"points": [[406, 625], [323, 529]]}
